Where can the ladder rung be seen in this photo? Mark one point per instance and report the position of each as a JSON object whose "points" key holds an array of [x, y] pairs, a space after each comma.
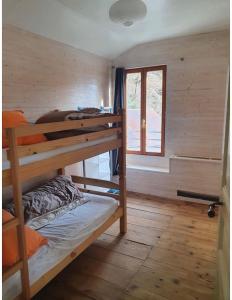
{"points": [[11, 270], [10, 224]]}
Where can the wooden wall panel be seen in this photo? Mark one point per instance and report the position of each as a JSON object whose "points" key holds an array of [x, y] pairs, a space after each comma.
{"points": [[196, 85], [40, 75], [195, 176]]}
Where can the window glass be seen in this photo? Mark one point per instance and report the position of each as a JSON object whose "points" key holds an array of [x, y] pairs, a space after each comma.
{"points": [[145, 109], [133, 106], [154, 83]]}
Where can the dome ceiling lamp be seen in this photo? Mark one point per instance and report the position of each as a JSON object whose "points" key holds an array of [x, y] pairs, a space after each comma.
{"points": [[127, 12]]}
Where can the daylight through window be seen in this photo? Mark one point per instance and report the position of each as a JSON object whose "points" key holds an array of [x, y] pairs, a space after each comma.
{"points": [[145, 105]]}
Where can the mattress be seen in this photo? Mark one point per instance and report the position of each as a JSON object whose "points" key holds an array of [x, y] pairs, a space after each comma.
{"points": [[64, 234], [40, 156]]}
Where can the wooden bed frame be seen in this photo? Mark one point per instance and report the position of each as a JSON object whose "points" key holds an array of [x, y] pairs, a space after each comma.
{"points": [[17, 174]]}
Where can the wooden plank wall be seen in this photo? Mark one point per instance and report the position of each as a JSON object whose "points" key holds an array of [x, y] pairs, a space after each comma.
{"points": [[196, 85], [40, 74], [196, 176]]}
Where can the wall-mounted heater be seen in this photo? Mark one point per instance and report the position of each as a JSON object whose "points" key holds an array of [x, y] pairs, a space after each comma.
{"points": [[214, 200]]}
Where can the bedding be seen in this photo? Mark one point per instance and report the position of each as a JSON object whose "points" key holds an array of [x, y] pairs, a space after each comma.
{"points": [[10, 255], [56, 193], [89, 110], [11, 119], [63, 234], [45, 219], [59, 116]]}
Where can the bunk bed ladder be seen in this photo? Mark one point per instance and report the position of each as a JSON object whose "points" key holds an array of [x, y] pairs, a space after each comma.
{"points": [[17, 222]]}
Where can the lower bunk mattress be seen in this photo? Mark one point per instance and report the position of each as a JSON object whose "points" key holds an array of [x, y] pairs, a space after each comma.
{"points": [[64, 234]]}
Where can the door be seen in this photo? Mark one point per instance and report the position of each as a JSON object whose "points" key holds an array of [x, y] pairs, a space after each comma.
{"points": [[223, 260]]}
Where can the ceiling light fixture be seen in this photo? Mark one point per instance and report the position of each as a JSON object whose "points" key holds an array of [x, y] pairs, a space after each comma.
{"points": [[127, 12]]}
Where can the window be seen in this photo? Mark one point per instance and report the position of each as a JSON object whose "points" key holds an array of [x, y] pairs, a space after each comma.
{"points": [[145, 106]]}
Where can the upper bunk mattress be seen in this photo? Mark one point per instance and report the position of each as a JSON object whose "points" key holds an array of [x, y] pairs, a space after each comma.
{"points": [[64, 234], [44, 155]]}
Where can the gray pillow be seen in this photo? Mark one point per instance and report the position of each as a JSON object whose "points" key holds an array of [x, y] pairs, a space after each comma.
{"points": [[55, 193]]}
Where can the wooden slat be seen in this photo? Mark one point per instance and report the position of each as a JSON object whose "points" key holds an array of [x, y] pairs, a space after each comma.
{"points": [[119, 276], [95, 182], [61, 171], [17, 197], [124, 246], [52, 145], [60, 266], [65, 125], [112, 257], [6, 178], [59, 161], [117, 197], [12, 270], [10, 224]]}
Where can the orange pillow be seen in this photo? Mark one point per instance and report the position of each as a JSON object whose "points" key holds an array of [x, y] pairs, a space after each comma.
{"points": [[12, 119], [10, 254]]}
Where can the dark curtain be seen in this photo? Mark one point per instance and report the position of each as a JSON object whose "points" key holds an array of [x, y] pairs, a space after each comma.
{"points": [[118, 105]]}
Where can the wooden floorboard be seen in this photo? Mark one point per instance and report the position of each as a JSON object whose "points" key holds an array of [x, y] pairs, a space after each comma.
{"points": [[168, 253]]}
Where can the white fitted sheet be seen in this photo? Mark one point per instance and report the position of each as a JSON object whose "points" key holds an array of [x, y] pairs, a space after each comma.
{"points": [[43, 155], [64, 234]]}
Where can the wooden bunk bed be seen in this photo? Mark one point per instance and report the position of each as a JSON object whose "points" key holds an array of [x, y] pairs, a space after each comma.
{"points": [[18, 173]]}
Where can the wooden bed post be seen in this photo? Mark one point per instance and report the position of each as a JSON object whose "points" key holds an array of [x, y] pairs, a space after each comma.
{"points": [[61, 171], [122, 175], [17, 197]]}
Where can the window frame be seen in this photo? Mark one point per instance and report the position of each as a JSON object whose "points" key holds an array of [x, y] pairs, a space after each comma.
{"points": [[143, 72]]}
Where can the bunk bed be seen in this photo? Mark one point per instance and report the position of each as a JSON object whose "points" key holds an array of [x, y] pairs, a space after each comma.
{"points": [[94, 217]]}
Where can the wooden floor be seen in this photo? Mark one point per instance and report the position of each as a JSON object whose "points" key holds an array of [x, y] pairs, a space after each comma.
{"points": [[168, 254]]}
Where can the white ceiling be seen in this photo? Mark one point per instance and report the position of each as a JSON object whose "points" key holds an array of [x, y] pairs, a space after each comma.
{"points": [[85, 24]]}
